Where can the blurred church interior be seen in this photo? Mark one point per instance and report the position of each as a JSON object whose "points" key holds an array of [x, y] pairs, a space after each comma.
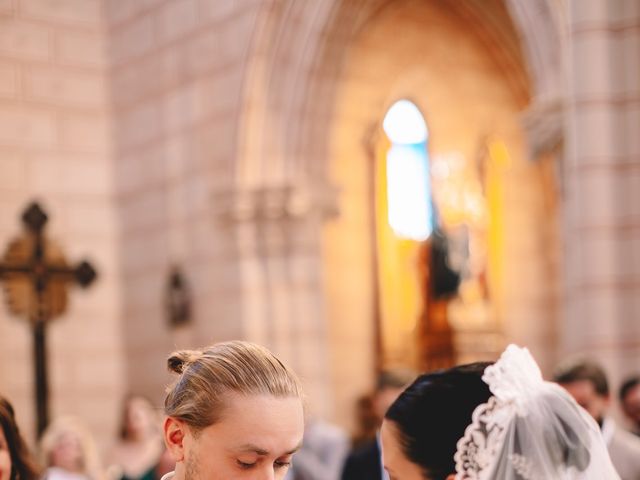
{"points": [[359, 185]]}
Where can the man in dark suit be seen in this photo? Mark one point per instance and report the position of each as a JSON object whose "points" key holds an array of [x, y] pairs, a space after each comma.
{"points": [[365, 461]]}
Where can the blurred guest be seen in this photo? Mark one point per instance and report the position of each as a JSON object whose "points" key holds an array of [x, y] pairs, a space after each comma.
{"points": [[166, 464], [322, 455], [365, 461], [588, 385], [139, 450], [69, 452], [367, 422], [630, 402], [16, 462]]}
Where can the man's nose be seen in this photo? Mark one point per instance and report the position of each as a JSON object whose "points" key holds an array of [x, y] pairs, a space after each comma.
{"points": [[268, 474]]}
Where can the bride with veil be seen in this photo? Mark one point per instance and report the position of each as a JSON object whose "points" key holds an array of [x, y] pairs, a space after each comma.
{"points": [[497, 421]]}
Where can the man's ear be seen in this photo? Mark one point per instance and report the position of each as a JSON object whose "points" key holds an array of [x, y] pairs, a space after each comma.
{"points": [[451, 477], [174, 434]]}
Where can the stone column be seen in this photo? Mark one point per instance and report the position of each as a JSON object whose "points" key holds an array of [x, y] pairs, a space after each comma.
{"points": [[278, 230], [535, 312], [602, 217], [543, 123]]}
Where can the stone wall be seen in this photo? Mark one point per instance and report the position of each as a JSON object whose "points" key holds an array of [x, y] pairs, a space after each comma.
{"points": [[223, 136], [55, 147], [176, 78], [602, 215]]}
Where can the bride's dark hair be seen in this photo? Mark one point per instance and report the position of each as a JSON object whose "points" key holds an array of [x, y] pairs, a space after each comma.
{"points": [[433, 413]]}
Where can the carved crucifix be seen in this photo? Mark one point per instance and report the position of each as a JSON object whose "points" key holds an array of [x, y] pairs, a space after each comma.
{"points": [[36, 278]]}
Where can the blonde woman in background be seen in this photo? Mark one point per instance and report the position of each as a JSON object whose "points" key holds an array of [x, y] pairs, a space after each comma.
{"points": [[68, 452], [235, 412]]}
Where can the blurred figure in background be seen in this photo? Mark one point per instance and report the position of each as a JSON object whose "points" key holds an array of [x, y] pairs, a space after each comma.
{"points": [[139, 450], [587, 383], [365, 461], [630, 402], [16, 462], [68, 452], [322, 455], [367, 422]]}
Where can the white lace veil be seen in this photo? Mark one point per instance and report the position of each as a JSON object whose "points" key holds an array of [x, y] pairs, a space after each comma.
{"points": [[530, 430]]}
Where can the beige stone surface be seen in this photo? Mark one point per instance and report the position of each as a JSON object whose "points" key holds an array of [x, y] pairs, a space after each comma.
{"points": [[601, 232], [54, 142], [230, 137]]}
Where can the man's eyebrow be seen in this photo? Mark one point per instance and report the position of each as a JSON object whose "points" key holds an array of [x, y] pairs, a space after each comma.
{"points": [[249, 447], [291, 452]]}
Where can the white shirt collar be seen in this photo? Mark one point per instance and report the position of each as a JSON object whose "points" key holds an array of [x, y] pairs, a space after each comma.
{"points": [[608, 429], [385, 475]]}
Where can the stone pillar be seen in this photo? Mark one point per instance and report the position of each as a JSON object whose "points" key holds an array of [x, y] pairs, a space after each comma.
{"points": [[543, 123], [602, 215], [535, 304], [278, 230]]}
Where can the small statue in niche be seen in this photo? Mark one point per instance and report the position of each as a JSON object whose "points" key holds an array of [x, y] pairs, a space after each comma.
{"points": [[178, 300], [440, 280], [445, 278]]}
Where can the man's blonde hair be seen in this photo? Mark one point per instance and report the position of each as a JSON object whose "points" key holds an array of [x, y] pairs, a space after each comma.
{"points": [[208, 375]]}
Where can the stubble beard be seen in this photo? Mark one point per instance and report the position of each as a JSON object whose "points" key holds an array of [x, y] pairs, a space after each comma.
{"points": [[191, 468]]}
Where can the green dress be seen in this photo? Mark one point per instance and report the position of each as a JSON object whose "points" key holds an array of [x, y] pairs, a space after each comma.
{"points": [[148, 475]]}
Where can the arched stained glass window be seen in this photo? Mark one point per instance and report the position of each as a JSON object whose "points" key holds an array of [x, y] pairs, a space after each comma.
{"points": [[410, 211]]}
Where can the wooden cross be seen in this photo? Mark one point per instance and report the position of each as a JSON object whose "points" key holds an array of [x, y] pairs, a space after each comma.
{"points": [[36, 278]]}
